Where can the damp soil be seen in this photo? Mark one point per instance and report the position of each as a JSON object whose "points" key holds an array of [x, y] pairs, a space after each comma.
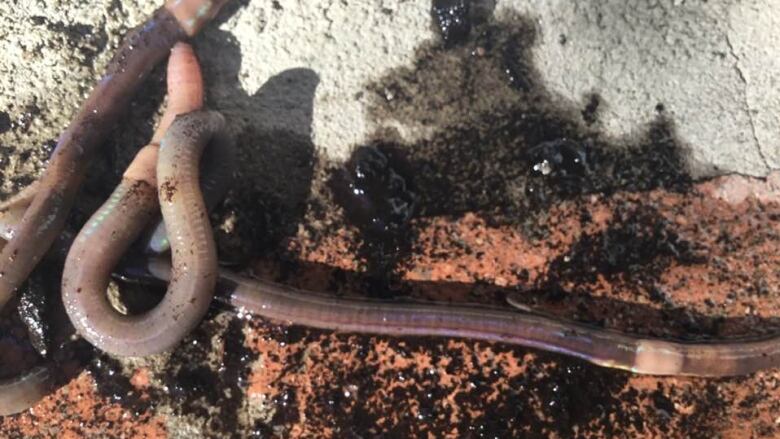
{"points": [[511, 190]]}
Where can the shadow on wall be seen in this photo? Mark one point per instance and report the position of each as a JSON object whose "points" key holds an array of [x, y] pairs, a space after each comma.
{"points": [[498, 143], [276, 153]]}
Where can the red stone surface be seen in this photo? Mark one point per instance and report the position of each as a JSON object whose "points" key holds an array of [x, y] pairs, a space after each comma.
{"points": [[320, 384]]}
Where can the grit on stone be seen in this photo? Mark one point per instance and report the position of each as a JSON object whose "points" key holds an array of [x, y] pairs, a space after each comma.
{"points": [[665, 92], [712, 65]]}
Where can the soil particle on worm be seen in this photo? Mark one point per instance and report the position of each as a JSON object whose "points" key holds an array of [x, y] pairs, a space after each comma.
{"points": [[168, 190]]}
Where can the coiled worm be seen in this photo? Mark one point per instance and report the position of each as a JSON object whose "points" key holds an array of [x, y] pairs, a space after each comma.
{"points": [[141, 50], [118, 223]]}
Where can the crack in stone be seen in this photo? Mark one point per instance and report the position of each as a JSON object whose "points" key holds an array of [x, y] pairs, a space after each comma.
{"points": [[748, 110]]}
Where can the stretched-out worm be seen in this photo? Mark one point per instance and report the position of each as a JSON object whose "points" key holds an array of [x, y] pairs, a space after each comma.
{"points": [[141, 50], [598, 346], [194, 270], [118, 223]]}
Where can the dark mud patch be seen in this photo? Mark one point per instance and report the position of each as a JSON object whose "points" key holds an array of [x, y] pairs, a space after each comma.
{"points": [[5, 122], [374, 189], [34, 330], [638, 246], [200, 379], [17, 354], [115, 387], [489, 114], [499, 144], [452, 19]]}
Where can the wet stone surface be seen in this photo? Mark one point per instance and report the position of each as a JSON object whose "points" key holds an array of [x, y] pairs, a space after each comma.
{"points": [[511, 192]]}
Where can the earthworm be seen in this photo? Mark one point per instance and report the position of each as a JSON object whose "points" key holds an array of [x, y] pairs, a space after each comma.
{"points": [[141, 50], [185, 90], [20, 393], [21, 199], [185, 94], [217, 167], [602, 347], [116, 225], [185, 87], [599, 346]]}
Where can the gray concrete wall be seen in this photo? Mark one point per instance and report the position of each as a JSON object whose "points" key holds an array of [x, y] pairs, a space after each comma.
{"points": [[713, 65]]}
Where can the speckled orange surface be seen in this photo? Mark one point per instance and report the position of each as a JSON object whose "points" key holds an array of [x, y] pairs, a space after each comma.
{"points": [[76, 411], [320, 384]]}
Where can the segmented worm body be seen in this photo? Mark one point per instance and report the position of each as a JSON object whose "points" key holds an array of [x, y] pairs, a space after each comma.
{"points": [[602, 347], [20, 393], [115, 226], [185, 94], [38, 212], [598, 346], [215, 179], [141, 50], [166, 170]]}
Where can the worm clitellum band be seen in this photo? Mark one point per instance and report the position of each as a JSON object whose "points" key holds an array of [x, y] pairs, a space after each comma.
{"points": [[56, 190]]}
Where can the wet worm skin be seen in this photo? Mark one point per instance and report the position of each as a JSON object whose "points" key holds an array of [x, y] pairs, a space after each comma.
{"points": [[114, 227], [185, 90], [141, 50], [47, 202], [217, 165], [185, 87], [602, 347], [19, 393], [133, 199], [185, 94], [96, 250]]}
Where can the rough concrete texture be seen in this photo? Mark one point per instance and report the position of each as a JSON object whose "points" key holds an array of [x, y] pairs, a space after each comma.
{"points": [[47, 68], [712, 65]]}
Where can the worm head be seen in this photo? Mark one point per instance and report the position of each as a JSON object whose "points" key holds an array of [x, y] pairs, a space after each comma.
{"points": [[192, 15]]}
